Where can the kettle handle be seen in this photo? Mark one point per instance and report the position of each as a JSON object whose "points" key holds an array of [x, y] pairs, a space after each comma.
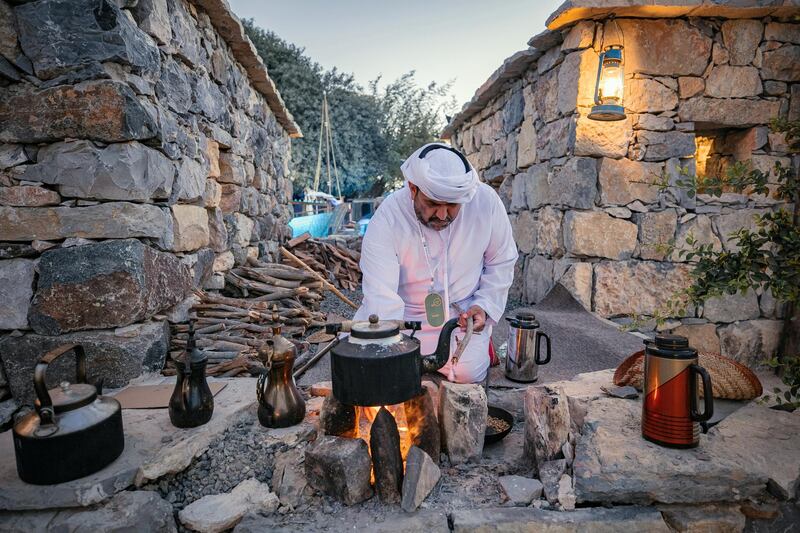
{"points": [[539, 336], [708, 394], [45, 407]]}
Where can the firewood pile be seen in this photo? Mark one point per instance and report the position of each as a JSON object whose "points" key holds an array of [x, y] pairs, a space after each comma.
{"points": [[230, 329], [338, 264]]}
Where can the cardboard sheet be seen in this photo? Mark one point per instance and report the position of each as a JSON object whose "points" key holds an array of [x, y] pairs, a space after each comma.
{"points": [[154, 396]]}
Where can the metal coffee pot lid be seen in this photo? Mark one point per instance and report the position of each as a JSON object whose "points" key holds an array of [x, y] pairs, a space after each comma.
{"points": [[375, 328], [68, 396], [523, 319]]}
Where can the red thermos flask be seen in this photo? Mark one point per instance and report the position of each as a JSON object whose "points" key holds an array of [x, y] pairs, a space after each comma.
{"points": [[669, 411]]}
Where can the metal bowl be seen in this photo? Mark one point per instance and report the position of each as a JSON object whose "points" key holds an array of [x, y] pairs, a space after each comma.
{"points": [[496, 412]]}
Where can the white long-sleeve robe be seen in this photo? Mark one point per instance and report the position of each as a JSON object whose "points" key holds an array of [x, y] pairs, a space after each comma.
{"points": [[480, 255]]}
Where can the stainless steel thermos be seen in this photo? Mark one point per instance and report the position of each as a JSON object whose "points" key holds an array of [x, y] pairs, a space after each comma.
{"points": [[524, 347]]}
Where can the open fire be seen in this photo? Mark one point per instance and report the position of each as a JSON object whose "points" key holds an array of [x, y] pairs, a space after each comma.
{"points": [[389, 431]]}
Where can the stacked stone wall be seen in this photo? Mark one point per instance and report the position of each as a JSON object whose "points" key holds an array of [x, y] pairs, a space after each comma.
{"points": [[139, 158], [581, 193]]}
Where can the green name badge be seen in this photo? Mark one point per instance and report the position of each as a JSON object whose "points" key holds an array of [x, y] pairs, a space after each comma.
{"points": [[434, 309]]}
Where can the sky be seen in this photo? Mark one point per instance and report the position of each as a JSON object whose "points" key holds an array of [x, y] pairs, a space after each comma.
{"points": [[442, 40]]}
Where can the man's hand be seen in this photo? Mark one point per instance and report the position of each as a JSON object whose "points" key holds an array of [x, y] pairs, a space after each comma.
{"points": [[478, 319]]}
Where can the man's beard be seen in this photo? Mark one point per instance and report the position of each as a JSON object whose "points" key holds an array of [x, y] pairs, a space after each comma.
{"points": [[436, 224]]}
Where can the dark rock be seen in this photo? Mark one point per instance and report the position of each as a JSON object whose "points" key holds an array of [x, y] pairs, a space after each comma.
{"points": [[92, 71], [519, 490], [387, 462], [173, 87], [339, 467], [8, 71], [338, 419], [109, 284], [550, 473], [16, 289], [513, 112], [116, 356], [547, 423], [202, 266], [105, 111], [121, 171], [127, 511], [218, 233], [207, 99], [423, 427], [185, 37], [13, 250], [628, 518], [420, 478], [626, 393], [153, 17], [288, 477], [12, 155], [80, 32], [111, 220]]}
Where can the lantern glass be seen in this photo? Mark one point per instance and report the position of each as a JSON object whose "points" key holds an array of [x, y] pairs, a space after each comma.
{"points": [[612, 81]]}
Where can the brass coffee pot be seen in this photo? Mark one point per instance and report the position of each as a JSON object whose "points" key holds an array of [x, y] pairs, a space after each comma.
{"points": [[192, 403], [280, 403]]}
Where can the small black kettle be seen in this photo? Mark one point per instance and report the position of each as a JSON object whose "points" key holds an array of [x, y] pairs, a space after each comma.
{"points": [[192, 403], [74, 430]]}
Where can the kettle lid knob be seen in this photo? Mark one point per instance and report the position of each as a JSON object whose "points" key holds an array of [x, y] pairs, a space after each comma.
{"points": [[373, 319]]}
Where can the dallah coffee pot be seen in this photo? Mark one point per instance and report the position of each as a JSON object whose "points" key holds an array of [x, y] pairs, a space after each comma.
{"points": [[669, 411], [192, 403], [280, 403]]}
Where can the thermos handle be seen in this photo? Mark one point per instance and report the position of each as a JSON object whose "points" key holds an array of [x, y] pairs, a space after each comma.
{"points": [[539, 336], [45, 407], [708, 394]]}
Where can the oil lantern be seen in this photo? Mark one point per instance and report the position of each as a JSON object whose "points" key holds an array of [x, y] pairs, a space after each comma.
{"points": [[609, 86]]}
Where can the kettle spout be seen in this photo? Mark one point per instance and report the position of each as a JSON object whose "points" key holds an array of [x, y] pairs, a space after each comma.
{"points": [[436, 360]]}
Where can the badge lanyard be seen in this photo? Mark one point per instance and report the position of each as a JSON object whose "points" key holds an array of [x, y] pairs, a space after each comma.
{"points": [[435, 303]]}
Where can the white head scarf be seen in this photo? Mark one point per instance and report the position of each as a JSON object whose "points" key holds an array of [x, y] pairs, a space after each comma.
{"points": [[441, 175]]}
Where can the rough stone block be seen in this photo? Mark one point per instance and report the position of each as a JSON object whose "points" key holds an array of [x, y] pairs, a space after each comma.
{"points": [[550, 473], [220, 512], [660, 146], [462, 418], [576, 82], [596, 234], [555, 139], [526, 145], [212, 194], [650, 122], [80, 32], [702, 337], [548, 233], [105, 111], [701, 230], [656, 231], [16, 290], [28, 196], [547, 424], [113, 220], [750, 342], [636, 287], [689, 86], [103, 285], [231, 169], [646, 95], [623, 181], [520, 491], [646, 40], [626, 518], [137, 510], [720, 517], [190, 223], [602, 139], [782, 64], [578, 281], [523, 227], [538, 278], [116, 356], [574, 184], [420, 478], [217, 232], [741, 38], [783, 32], [726, 81], [190, 181], [580, 36], [339, 467], [121, 171], [512, 112], [231, 199], [736, 112], [153, 18], [730, 223], [732, 307]]}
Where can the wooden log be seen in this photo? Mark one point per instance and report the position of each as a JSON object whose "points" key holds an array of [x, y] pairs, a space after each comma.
{"points": [[387, 461], [326, 283], [299, 239]]}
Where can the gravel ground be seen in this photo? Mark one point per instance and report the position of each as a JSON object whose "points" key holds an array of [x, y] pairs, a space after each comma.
{"points": [[238, 454]]}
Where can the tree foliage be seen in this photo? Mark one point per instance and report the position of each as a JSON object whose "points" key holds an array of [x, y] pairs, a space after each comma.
{"points": [[373, 128]]}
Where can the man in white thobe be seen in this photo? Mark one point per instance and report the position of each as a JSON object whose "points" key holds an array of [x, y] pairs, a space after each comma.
{"points": [[444, 232]]}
